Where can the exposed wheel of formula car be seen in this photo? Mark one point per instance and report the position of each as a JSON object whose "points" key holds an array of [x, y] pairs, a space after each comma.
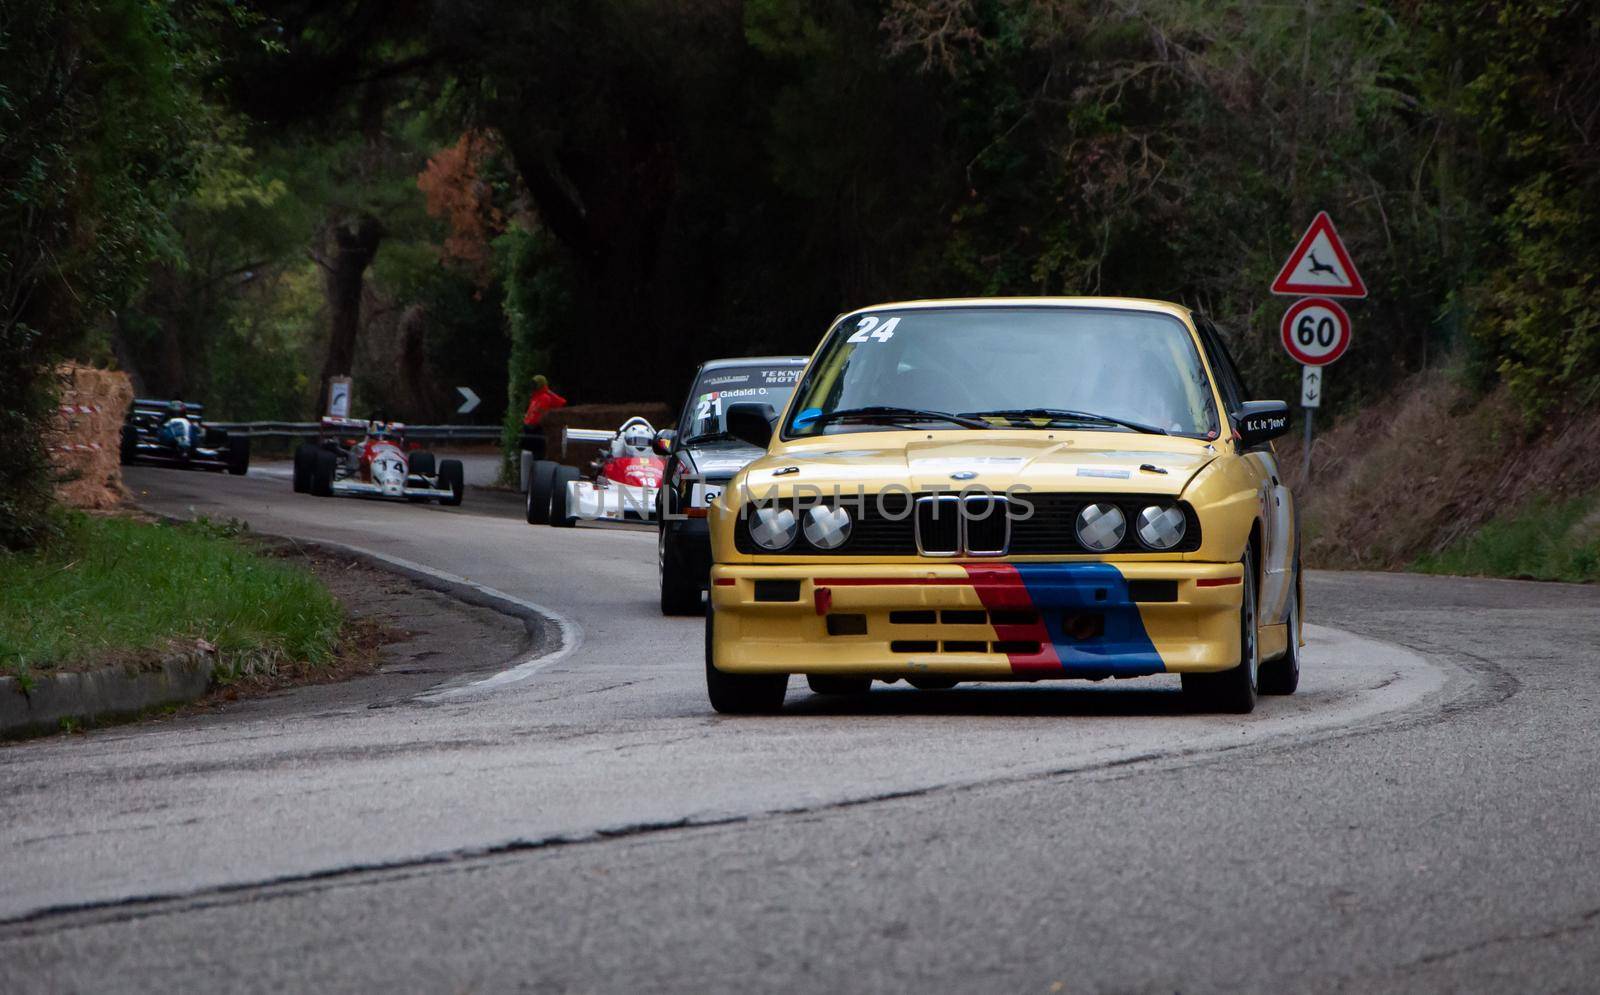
{"points": [[129, 450], [1234, 690], [838, 684], [305, 461], [423, 464], [680, 588], [238, 455], [741, 694], [1282, 676], [322, 473], [932, 683], [560, 515], [541, 483], [453, 476]]}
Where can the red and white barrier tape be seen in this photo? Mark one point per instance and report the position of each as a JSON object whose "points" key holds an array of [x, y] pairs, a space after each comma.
{"points": [[80, 409], [72, 447]]}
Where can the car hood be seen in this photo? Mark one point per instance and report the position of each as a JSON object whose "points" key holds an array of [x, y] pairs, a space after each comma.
{"points": [[1054, 462], [719, 459]]}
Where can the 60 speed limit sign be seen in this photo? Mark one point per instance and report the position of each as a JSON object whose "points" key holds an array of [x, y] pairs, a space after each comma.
{"points": [[1316, 331]]}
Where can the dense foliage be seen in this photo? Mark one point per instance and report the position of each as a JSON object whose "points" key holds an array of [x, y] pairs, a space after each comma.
{"points": [[609, 191]]}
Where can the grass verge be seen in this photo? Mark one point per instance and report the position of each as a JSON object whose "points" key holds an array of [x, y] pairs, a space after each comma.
{"points": [[1545, 541], [120, 590]]}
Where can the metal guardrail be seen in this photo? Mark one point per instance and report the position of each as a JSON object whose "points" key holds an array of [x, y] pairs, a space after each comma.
{"points": [[295, 429]]}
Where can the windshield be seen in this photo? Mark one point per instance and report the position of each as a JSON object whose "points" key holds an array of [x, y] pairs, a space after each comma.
{"points": [[720, 387], [1093, 368]]}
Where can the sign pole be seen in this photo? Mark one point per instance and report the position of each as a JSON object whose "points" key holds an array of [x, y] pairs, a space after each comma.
{"points": [[1310, 401]]}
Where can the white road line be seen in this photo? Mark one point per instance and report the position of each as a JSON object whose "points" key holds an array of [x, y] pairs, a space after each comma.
{"points": [[569, 633]]}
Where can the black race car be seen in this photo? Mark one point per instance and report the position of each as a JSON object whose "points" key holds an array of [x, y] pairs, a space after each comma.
{"points": [[173, 433], [701, 458]]}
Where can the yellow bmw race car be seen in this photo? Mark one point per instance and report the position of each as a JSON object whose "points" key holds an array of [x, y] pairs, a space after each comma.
{"points": [[1014, 489]]}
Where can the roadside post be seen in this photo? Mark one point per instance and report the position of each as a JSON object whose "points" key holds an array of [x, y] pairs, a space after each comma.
{"points": [[1315, 329]]}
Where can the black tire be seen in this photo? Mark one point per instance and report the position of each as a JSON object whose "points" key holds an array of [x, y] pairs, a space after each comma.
{"points": [[1234, 690], [322, 473], [129, 450], [453, 476], [423, 464], [1282, 676], [838, 684], [305, 458], [559, 516], [932, 683], [680, 588], [541, 482], [741, 694], [238, 456]]}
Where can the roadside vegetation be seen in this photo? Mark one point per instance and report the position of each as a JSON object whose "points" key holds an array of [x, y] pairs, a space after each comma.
{"points": [[111, 590], [1545, 541], [233, 200]]}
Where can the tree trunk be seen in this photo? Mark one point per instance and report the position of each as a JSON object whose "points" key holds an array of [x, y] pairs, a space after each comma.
{"points": [[355, 245]]}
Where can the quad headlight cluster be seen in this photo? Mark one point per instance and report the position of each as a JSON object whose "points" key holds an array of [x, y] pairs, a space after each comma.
{"points": [[774, 528], [1101, 526]]}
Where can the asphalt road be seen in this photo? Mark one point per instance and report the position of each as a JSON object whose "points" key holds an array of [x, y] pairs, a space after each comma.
{"points": [[1422, 816]]}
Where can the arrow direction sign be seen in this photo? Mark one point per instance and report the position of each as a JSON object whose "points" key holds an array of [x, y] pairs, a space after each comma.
{"points": [[469, 402], [1319, 266], [1311, 386]]}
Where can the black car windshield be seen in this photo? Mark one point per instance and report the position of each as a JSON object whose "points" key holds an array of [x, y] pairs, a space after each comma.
{"points": [[719, 387], [1105, 369]]}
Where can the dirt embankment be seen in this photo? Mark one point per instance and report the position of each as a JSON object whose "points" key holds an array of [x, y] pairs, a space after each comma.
{"points": [[1432, 465]]}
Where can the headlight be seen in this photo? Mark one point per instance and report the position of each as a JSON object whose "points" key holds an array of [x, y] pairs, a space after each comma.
{"points": [[774, 528], [827, 528], [1101, 527], [1162, 526]]}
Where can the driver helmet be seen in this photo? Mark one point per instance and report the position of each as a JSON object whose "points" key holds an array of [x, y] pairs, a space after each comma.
{"points": [[176, 408], [637, 439]]}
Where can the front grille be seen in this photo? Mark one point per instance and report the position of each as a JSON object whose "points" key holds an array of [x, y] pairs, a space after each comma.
{"points": [[886, 525], [937, 525]]}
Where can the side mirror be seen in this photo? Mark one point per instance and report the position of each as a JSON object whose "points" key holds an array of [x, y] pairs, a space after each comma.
{"points": [[664, 440], [1261, 421], [751, 422]]}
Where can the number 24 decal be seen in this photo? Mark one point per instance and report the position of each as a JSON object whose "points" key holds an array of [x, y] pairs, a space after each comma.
{"points": [[869, 330]]}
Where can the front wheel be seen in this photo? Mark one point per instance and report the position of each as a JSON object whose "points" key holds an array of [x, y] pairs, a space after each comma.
{"points": [[239, 455], [560, 515], [1234, 690], [541, 483], [1282, 676], [680, 589], [452, 475], [741, 694], [322, 473], [305, 462]]}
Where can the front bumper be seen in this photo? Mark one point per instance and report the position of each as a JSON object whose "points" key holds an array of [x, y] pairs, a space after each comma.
{"points": [[345, 488], [612, 503], [977, 620]]}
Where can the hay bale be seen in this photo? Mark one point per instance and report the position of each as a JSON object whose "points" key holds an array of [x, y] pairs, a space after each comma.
{"points": [[608, 417], [85, 444]]}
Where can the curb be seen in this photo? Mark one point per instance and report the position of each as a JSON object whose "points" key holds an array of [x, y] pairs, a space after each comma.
{"points": [[94, 695]]}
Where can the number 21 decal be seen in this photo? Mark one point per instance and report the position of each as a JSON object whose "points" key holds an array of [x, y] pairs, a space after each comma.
{"points": [[869, 330]]}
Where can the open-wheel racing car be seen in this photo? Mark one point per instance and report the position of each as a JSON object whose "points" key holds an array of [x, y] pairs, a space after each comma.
{"points": [[172, 433], [624, 481], [371, 459]]}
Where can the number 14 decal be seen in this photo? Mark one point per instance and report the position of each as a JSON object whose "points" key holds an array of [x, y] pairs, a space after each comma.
{"points": [[869, 330]]}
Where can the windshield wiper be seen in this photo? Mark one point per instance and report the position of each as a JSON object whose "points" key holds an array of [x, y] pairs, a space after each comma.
{"points": [[1066, 414], [709, 436], [890, 413]]}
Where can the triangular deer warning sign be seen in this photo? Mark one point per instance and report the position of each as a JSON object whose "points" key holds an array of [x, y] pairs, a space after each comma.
{"points": [[1319, 265]]}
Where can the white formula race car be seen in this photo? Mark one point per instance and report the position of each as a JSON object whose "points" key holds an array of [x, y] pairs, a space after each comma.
{"points": [[623, 482], [355, 457]]}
